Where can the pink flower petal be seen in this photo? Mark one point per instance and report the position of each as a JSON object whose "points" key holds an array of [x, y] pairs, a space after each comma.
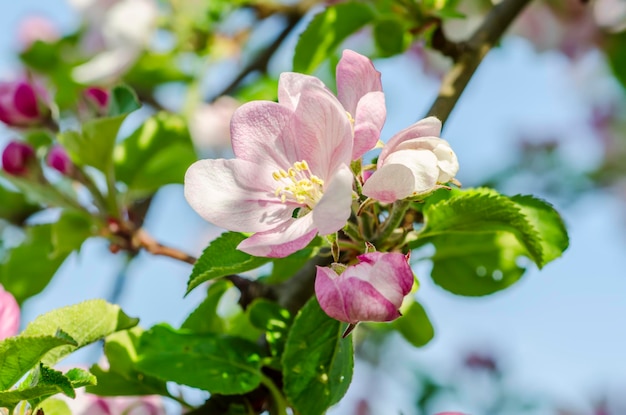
{"points": [[356, 76], [324, 132], [372, 290], [261, 133], [26, 101], [282, 241], [332, 211], [237, 195], [9, 314], [369, 120], [290, 85], [351, 299]]}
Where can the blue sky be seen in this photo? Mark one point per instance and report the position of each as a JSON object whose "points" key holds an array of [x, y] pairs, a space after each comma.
{"points": [[557, 329]]}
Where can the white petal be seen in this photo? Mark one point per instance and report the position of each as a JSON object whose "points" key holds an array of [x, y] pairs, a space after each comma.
{"points": [[332, 212], [236, 195]]}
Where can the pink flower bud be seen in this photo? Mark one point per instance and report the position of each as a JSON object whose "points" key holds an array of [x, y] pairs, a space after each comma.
{"points": [[372, 290], [16, 157], [22, 104], [97, 99], [59, 160], [9, 314]]}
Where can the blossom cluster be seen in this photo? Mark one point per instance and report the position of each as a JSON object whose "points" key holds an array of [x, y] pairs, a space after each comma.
{"points": [[297, 174]]}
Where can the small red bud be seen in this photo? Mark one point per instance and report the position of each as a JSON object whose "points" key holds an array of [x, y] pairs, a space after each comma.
{"points": [[59, 160], [22, 104], [16, 157], [97, 99]]}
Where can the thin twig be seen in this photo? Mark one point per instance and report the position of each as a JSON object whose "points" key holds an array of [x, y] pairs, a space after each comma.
{"points": [[262, 59], [474, 50], [141, 239]]}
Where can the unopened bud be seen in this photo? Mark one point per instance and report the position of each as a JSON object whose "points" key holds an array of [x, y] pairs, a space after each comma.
{"points": [[97, 99], [22, 104], [59, 160], [16, 158]]}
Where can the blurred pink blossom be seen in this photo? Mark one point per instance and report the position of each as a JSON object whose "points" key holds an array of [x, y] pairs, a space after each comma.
{"points": [[88, 404], [9, 314], [210, 125], [37, 28], [22, 104], [122, 43]]}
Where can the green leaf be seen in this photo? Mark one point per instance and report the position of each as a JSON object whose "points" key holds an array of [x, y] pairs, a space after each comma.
{"points": [[318, 362], [156, 154], [218, 364], [548, 223], [71, 230], [94, 146], [481, 211], [204, 319], [123, 378], [55, 407], [37, 192], [274, 320], [477, 264], [20, 354], [86, 323], [153, 69], [44, 383], [26, 269], [616, 54], [122, 101], [326, 32], [415, 326], [15, 208], [479, 237], [222, 258], [391, 36], [285, 268]]}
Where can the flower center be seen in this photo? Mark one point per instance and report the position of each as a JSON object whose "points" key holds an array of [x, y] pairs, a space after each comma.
{"points": [[300, 185]]}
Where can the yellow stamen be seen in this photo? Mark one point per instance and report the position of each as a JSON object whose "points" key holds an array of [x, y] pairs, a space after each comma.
{"points": [[299, 185]]}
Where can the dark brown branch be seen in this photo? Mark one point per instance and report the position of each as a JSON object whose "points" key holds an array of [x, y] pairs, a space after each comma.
{"points": [[473, 52]]}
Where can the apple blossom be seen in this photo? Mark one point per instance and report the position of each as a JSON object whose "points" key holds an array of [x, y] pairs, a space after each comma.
{"points": [[209, 125], [290, 179], [22, 104], [371, 290], [59, 160], [123, 42], [16, 158], [9, 314], [412, 163], [359, 90], [88, 404], [37, 28]]}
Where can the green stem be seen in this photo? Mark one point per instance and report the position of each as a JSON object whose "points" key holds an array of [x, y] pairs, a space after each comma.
{"points": [[88, 182], [112, 205], [280, 404], [398, 211], [352, 230]]}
